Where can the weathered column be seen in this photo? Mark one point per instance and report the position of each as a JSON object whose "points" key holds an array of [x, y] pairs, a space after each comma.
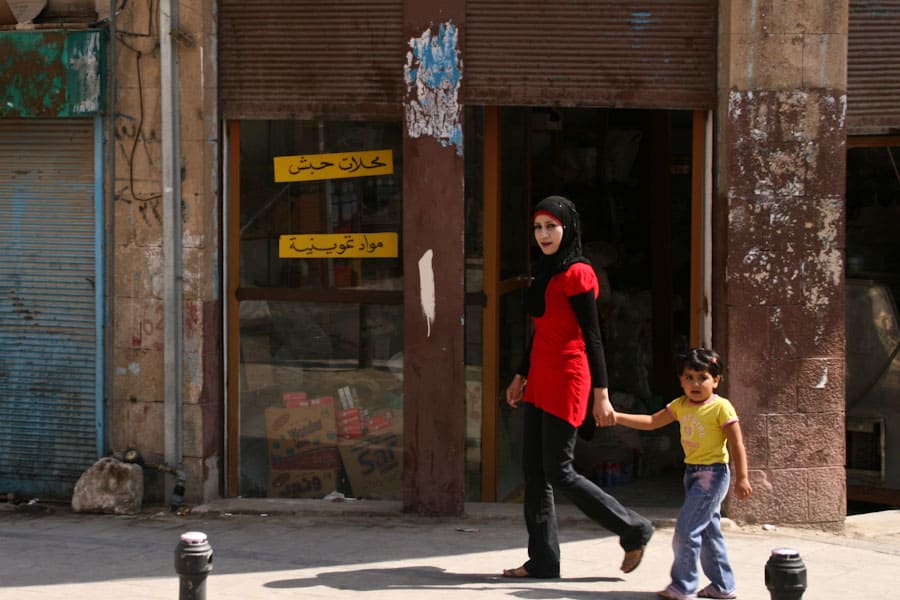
{"points": [[434, 260], [779, 248]]}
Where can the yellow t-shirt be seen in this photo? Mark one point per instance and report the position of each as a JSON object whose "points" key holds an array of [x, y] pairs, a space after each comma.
{"points": [[703, 428]]}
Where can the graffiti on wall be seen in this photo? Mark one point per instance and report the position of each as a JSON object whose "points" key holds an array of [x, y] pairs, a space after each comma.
{"points": [[433, 73]]}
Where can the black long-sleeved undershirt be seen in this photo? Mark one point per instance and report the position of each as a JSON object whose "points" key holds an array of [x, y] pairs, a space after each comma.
{"points": [[585, 307]]}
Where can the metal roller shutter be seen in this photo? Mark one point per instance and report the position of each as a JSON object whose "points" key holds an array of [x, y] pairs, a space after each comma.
{"points": [[873, 68], [298, 59], [611, 53], [48, 269]]}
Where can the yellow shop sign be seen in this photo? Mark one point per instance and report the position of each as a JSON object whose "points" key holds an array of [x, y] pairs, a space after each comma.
{"points": [[338, 245], [315, 167]]}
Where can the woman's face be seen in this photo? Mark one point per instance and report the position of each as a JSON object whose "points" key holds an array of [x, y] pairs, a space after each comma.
{"points": [[548, 233]]}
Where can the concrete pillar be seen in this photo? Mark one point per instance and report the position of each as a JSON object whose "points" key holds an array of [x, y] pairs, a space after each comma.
{"points": [[434, 260], [137, 418], [779, 250]]}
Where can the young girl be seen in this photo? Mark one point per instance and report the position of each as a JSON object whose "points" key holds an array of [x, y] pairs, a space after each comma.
{"points": [[709, 431]]}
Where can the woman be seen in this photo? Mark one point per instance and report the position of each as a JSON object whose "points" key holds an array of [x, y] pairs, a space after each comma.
{"points": [[564, 369]]}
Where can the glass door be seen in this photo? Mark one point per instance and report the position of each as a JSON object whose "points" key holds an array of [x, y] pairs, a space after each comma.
{"points": [[634, 177]]}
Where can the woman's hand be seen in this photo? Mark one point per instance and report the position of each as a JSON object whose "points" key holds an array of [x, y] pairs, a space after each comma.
{"points": [[514, 391], [604, 415]]}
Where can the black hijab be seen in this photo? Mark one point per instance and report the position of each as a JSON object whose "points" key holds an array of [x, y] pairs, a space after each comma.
{"points": [[569, 252]]}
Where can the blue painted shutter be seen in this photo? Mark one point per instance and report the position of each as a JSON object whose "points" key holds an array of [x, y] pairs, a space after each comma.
{"points": [[48, 356]]}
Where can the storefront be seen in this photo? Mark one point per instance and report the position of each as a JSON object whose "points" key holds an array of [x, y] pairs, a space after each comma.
{"points": [[52, 265], [324, 174], [873, 254]]}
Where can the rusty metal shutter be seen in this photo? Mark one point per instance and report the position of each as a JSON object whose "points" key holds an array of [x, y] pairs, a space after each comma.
{"points": [[48, 316], [305, 60], [873, 68], [648, 54]]}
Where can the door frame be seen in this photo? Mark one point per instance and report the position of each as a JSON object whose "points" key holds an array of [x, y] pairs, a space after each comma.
{"points": [[700, 333]]}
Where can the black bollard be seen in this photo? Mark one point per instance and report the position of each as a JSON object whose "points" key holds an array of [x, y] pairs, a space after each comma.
{"points": [[785, 574], [193, 562]]}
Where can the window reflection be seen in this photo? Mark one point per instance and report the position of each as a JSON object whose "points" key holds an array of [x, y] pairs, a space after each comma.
{"points": [[320, 377]]}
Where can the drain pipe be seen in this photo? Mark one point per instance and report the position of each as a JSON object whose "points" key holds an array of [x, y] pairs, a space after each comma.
{"points": [[171, 234]]}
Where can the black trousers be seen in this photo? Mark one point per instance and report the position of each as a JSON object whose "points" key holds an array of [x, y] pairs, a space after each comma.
{"points": [[547, 460]]}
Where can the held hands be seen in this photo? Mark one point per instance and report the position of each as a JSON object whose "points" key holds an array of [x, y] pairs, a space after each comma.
{"points": [[514, 391], [604, 415]]}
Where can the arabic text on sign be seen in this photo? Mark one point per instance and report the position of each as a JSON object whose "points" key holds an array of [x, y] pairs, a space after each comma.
{"points": [[314, 167], [338, 245]]}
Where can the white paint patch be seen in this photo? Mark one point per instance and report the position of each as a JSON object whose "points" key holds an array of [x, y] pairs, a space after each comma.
{"points": [[823, 381], [134, 368], [426, 288]]}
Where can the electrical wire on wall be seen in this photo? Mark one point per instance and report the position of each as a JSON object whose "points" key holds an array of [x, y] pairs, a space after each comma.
{"points": [[124, 38]]}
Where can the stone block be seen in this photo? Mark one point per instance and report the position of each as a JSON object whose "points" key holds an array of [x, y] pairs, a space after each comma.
{"points": [[777, 61], [763, 277], [748, 377], [749, 326], [755, 434], [138, 375], [806, 440], [192, 430], [764, 386], [820, 385], [827, 495], [127, 323], [109, 486], [778, 494], [148, 213], [146, 429], [824, 61], [826, 175], [127, 276], [801, 331]]}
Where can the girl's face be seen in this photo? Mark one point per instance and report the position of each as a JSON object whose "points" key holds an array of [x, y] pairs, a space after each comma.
{"points": [[698, 386], [548, 233]]}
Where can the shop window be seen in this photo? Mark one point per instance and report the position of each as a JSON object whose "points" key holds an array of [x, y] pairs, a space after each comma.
{"points": [[320, 362]]}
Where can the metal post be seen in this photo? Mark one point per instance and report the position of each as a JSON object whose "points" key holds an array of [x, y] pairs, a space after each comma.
{"points": [[785, 574], [193, 562]]}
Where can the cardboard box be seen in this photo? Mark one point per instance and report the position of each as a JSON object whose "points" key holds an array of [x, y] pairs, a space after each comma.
{"points": [[256, 349], [302, 484], [374, 463], [304, 437], [256, 376], [294, 399]]}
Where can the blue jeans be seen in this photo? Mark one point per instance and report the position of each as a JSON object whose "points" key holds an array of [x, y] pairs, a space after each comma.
{"points": [[547, 461], [698, 533]]}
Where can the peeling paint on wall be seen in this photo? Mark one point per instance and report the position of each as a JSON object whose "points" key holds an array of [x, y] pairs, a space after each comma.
{"points": [[426, 288], [785, 209], [51, 73], [84, 65], [433, 73]]}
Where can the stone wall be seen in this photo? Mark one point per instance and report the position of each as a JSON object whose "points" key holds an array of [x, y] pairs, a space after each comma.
{"points": [[136, 364], [779, 246]]}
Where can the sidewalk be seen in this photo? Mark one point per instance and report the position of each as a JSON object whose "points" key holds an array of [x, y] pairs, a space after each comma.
{"points": [[317, 549]]}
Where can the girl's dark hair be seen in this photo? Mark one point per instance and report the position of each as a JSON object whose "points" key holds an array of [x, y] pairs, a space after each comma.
{"points": [[700, 359]]}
